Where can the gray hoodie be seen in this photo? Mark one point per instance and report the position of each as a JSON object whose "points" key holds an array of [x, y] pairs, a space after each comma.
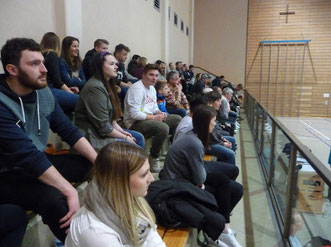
{"points": [[185, 160]]}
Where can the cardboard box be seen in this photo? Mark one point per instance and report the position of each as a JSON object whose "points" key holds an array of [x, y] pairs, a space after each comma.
{"points": [[310, 182], [310, 192], [310, 202]]}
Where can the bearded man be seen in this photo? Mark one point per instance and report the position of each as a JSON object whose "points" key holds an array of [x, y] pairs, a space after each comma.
{"points": [[30, 178]]}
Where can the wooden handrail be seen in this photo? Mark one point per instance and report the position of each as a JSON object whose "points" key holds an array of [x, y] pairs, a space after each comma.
{"points": [[213, 74], [206, 70]]}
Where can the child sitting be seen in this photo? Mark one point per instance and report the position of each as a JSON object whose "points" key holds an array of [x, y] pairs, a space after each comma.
{"points": [[162, 92]]}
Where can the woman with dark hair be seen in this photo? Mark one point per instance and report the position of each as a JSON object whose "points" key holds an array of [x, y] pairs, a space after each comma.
{"points": [[98, 107], [50, 48], [115, 211], [133, 64], [185, 161], [70, 63], [139, 70]]}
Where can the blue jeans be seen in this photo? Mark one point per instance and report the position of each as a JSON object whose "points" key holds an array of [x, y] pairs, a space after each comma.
{"points": [[66, 100], [179, 111], [222, 153], [233, 116], [233, 142], [140, 139]]}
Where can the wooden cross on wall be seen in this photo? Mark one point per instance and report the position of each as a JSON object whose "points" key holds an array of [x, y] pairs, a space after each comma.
{"points": [[287, 13]]}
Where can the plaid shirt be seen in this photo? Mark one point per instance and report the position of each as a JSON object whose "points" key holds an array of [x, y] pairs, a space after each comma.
{"points": [[176, 97]]}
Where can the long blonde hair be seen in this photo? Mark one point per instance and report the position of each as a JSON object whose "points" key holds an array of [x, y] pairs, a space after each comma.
{"points": [[50, 42], [115, 163]]}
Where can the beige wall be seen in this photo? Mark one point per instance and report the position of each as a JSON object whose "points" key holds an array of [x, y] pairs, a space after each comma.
{"points": [[220, 37]]}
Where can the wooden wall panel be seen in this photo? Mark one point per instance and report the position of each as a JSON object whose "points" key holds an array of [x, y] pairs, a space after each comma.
{"points": [[283, 92]]}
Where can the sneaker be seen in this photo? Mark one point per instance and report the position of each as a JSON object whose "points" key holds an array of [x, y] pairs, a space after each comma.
{"points": [[231, 231], [58, 243], [154, 164], [229, 239], [220, 243]]}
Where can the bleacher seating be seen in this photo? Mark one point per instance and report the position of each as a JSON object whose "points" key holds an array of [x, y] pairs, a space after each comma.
{"points": [[174, 237]]}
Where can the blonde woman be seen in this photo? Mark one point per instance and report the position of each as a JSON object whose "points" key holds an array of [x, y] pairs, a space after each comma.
{"points": [[116, 214]]}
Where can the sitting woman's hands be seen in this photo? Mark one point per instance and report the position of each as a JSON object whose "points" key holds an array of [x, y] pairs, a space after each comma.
{"points": [[128, 137]]}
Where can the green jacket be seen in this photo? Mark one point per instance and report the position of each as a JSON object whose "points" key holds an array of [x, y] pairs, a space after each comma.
{"points": [[94, 114]]}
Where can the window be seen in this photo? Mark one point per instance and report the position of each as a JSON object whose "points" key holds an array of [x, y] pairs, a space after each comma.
{"points": [[187, 31], [169, 12], [157, 5], [175, 19], [182, 25]]}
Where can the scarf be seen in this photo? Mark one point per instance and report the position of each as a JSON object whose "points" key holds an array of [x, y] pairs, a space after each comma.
{"points": [[96, 203]]}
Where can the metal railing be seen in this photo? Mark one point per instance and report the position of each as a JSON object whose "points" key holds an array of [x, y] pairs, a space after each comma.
{"points": [[284, 159]]}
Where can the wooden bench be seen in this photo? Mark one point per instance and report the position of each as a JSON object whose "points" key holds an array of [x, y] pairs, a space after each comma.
{"points": [[207, 157], [174, 237]]}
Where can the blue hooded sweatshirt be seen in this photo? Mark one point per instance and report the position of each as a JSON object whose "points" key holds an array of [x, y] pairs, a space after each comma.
{"points": [[24, 128]]}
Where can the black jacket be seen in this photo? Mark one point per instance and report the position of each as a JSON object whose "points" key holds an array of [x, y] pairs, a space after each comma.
{"points": [[87, 67], [179, 203]]}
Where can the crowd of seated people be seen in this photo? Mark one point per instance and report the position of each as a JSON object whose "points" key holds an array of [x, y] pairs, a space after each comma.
{"points": [[115, 110]]}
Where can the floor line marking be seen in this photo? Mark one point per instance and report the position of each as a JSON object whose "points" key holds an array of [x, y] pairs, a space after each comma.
{"points": [[309, 126], [319, 138]]}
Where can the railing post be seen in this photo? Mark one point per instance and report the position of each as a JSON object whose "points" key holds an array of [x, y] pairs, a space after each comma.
{"points": [[272, 154], [252, 113], [291, 187], [256, 122], [261, 131]]}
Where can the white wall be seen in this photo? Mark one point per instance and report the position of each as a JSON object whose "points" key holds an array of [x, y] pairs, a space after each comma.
{"points": [[73, 19], [179, 43], [134, 23], [30, 19]]}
